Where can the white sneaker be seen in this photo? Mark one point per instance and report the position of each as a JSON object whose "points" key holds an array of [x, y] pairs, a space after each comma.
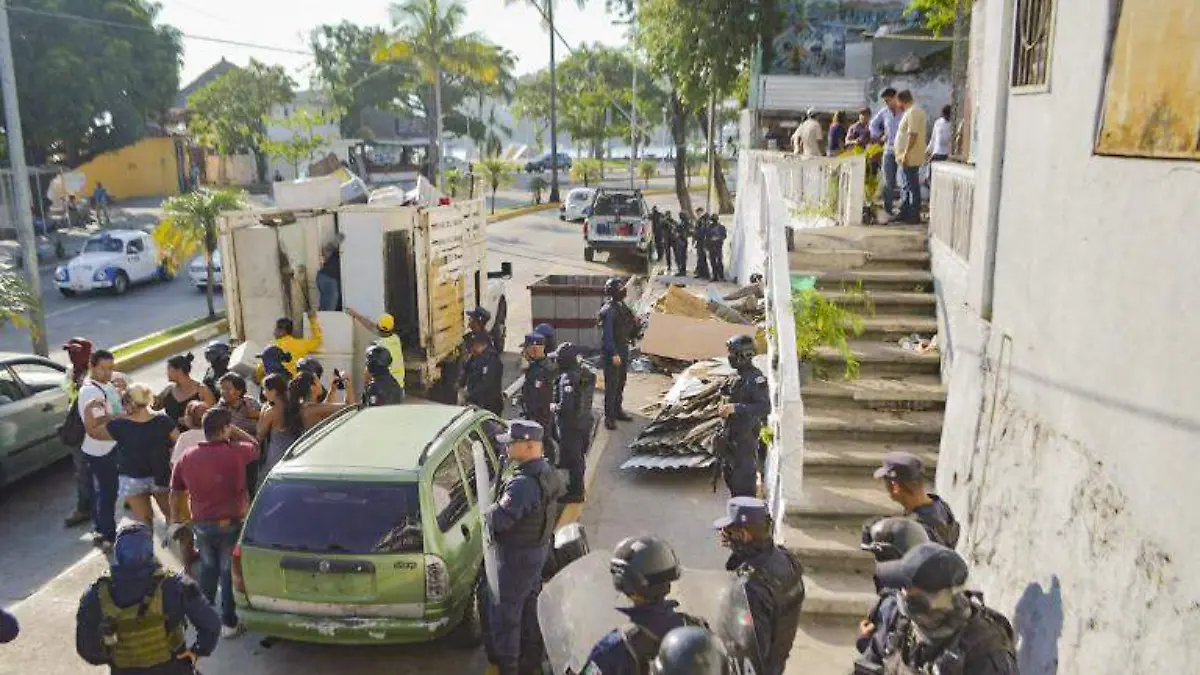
{"points": [[230, 632]]}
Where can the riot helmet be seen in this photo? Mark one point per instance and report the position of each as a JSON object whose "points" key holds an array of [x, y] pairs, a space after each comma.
{"points": [[890, 538], [217, 352], [567, 355], [615, 288], [309, 364], [547, 331], [379, 360], [645, 567], [741, 351], [273, 359], [690, 650]]}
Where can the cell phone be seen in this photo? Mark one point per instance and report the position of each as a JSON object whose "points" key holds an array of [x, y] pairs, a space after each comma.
{"points": [[339, 382]]}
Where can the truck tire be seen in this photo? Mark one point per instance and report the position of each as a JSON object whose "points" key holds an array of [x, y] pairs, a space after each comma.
{"points": [[469, 632], [588, 254], [120, 284], [66, 292]]}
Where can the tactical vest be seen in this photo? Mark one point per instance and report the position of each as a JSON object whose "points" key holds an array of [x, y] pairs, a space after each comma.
{"points": [[537, 527], [642, 643], [623, 322], [986, 632], [139, 636], [788, 595]]}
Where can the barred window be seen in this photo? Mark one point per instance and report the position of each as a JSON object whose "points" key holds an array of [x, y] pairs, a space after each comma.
{"points": [[1032, 41]]}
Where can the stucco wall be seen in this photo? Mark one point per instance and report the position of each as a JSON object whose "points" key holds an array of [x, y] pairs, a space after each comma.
{"points": [[148, 168], [1073, 423]]}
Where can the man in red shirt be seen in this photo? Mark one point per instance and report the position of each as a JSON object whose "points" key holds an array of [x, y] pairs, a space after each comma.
{"points": [[211, 479]]}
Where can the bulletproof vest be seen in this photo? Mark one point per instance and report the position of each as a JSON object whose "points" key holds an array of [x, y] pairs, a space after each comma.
{"points": [[537, 527], [622, 322], [787, 592], [642, 643], [384, 391], [944, 533], [986, 632], [534, 399], [138, 636]]}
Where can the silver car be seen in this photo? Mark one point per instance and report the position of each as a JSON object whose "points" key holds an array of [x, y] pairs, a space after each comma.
{"points": [[33, 403], [199, 276]]}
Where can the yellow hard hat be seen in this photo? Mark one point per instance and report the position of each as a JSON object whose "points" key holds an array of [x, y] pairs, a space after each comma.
{"points": [[386, 322]]}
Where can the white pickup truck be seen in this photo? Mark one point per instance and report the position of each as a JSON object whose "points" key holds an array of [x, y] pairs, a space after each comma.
{"points": [[617, 221], [111, 261]]}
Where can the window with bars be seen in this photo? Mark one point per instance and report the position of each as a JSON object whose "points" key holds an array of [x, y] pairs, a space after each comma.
{"points": [[1033, 38]]}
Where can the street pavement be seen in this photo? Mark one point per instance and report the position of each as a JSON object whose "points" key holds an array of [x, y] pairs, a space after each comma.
{"points": [[46, 568]]}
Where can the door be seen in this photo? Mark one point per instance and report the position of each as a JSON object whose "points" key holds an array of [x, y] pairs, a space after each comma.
{"points": [[19, 434], [135, 259], [42, 383], [458, 524]]}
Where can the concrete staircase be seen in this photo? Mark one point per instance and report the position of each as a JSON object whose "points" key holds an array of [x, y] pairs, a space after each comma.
{"points": [[897, 403]]}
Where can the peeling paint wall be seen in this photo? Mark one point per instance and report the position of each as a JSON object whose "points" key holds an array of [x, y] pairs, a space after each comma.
{"points": [[1073, 423]]}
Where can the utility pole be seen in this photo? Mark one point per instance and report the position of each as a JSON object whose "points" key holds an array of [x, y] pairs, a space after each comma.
{"points": [[633, 115], [712, 115], [554, 196], [16, 155]]}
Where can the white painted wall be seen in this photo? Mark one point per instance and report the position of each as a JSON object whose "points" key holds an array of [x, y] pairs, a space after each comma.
{"points": [[1073, 424], [314, 102]]}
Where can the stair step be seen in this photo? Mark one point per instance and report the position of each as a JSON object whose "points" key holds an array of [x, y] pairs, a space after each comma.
{"points": [[913, 281], [880, 359], [892, 327], [875, 240], [827, 547], [843, 501], [852, 259], [915, 392], [860, 458], [886, 302], [824, 645], [882, 425], [843, 594]]}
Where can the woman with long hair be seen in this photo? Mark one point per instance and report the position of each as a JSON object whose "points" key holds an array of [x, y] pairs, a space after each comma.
{"points": [[304, 405], [270, 430], [182, 390], [143, 453]]}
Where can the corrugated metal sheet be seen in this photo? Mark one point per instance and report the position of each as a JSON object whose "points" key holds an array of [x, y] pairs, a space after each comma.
{"points": [[669, 463], [799, 92]]}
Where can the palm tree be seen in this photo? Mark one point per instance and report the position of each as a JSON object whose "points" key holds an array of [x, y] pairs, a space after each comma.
{"points": [[495, 172], [16, 299], [538, 185], [429, 36], [190, 225], [647, 170]]}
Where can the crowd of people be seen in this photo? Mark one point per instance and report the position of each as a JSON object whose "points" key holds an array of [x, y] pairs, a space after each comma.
{"points": [[672, 238]]}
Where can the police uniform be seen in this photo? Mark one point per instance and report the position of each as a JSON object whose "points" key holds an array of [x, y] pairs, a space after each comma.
{"points": [[683, 234], [983, 642], [747, 393], [887, 539], [660, 238], [383, 389], [480, 318], [716, 248], [135, 618], [570, 420], [618, 329], [936, 516], [701, 236], [668, 235], [537, 391], [482, 379], [522, 524], [772, 579]]}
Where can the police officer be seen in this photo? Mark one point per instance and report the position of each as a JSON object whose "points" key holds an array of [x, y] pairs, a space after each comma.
{"points": [[547, 331], [385, 328], [748, 404], [716, 248], [217, 353], [886, 539], [382, 387], [134, 619], [643, 569], [537, 391], [618, 329], [522, 524], [656, 227], [701, 237], [477, 321], [771, 577], [691, 650], [570, 419], [942, 627], [683, 235], [483, 375], [668, 235], [903, 476]]}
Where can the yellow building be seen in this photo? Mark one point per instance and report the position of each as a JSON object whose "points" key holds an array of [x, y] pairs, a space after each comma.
{"points": [[151, 167]]}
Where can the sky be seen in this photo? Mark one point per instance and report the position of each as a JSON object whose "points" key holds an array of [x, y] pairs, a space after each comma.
{"points": [[285, 24]]}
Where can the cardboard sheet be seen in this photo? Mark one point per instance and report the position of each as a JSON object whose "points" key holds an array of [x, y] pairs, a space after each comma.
{"points": [[687, 339], [679, 302]]}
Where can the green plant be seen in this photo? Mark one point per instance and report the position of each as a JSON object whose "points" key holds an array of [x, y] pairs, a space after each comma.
{"points": [[495, 173], [16, 300], [823, 323], [189, 225], [454, 181], [538, 185], [647, 170], [585, 171]]}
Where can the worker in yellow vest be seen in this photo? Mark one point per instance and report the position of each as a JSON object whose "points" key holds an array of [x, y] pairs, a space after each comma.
{"points": [[385, 327]]}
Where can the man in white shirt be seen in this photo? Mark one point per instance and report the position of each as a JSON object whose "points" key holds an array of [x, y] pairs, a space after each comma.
{"points": [[939, 142], [910, 155], [98, 398], [806, 140]]}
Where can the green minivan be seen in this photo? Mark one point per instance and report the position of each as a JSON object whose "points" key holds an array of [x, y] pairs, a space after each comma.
{"points": [[368, 531]]}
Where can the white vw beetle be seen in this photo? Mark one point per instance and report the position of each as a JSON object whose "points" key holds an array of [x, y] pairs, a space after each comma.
{"points": [[112, 260]]}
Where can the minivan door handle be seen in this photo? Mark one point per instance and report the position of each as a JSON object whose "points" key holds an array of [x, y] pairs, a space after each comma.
{"points": [[465, 530]]}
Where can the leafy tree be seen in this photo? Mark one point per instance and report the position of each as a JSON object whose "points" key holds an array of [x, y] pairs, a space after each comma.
{"points": [[531, 101], [354, 83], [190, 225], [586, 171], [588, 77], [538, 185], [229, 114], [305, 140], [647, 170], [454, 181], [86, 88], [16, 300], [495, 172], [935, 15]]}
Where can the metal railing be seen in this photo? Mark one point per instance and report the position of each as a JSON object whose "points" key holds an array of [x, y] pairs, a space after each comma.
{"points": [[951, 202]]}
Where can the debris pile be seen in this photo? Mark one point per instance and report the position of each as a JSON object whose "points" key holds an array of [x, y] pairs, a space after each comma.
{"points": [[682, 433], [683, 327]]}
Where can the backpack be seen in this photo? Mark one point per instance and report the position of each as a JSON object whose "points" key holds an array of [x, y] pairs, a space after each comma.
{"points": [[72, 431]]}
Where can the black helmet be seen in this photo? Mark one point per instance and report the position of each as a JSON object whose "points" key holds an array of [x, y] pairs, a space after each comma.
{"points": [[741, 350], [273, 357], [890, 538], [480, 314], [379, 359], [309, 364], [690, 650], [567, 355], [644, 566], [217, 351], [614, 287]]}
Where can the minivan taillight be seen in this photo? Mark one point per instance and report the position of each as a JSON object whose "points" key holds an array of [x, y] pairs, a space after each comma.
{"points": [[239, 582], [586, 224], [437, 579]]}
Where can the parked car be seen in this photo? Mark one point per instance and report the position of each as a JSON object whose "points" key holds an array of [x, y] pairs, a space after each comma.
{"points": [[573, 206], [33, 404], [113, 260], [542, 163], [617, 222], [199, 275], [368, 531]]}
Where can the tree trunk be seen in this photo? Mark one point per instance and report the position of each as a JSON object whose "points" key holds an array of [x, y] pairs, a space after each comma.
{"points": [[208, 288], [679, 137], [724, 199], [958, 74]]}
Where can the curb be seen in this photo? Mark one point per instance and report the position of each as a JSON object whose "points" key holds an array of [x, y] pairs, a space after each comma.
{"points": [[170, 347]]}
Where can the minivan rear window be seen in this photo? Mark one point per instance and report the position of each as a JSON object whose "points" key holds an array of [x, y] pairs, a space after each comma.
{"points": [[336, 517]]}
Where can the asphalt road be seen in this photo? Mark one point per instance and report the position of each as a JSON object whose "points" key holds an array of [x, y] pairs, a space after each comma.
{"points": [[44, 568]]}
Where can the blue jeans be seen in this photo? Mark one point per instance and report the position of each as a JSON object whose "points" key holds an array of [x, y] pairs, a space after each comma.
{"points": [[329, 291], [910, 205], [890, 168], [102, 471], [214, 543]]}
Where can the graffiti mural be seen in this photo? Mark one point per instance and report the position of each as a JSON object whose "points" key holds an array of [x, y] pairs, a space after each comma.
{"points": [[814, 34]]}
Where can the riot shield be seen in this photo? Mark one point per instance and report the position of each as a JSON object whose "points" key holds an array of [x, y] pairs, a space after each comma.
{"points": [[483, 488], [735, 627], [578, 607]]}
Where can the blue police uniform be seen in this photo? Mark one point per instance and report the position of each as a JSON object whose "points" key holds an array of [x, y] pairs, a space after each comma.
{"points": [[683, 233], [716, 248], [618, 327], [570, 420], [522, 524], [537, 391], [883, 615], [701, 235], [751, 404], [483, 380], [615, 653]]}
